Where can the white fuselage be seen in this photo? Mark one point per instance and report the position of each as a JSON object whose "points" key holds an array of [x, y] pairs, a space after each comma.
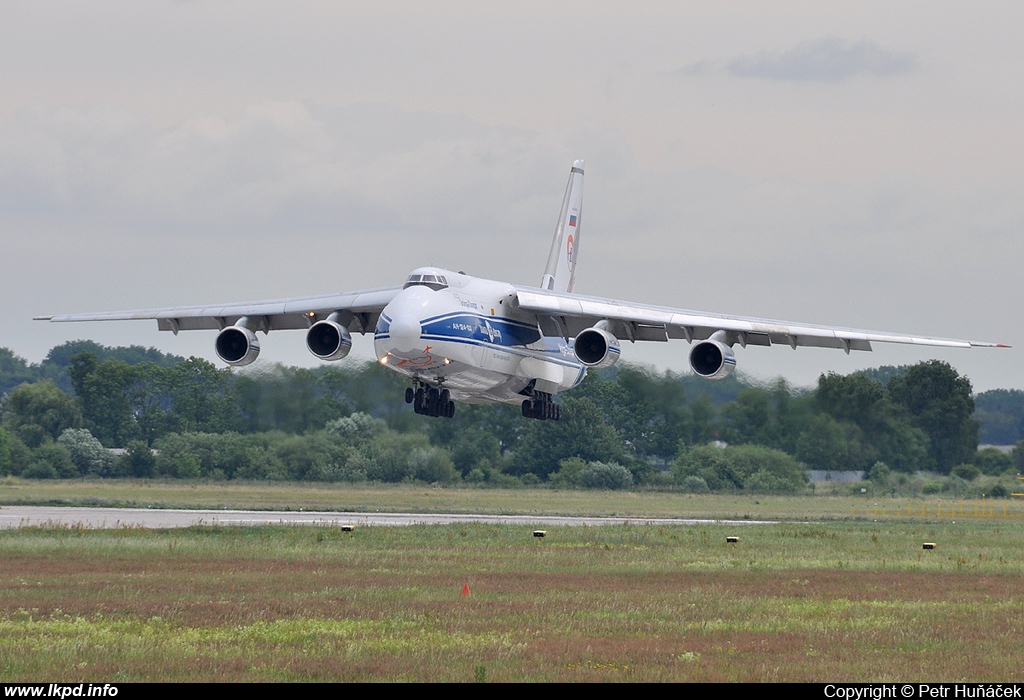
{"points": [[452, 330]]}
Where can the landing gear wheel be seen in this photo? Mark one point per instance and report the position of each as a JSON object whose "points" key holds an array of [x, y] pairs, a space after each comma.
{"points": [[540, 407], [429, 401]]}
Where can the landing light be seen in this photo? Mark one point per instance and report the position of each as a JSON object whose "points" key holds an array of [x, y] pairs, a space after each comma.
{"points": [[447, 361], [384, 360]]}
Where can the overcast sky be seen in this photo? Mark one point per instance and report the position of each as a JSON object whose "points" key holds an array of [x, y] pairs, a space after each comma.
{"points": [[855, 164]]}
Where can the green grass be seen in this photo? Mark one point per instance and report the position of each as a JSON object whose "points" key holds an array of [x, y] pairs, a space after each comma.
{"points": [[426, 499], [827, 601]]}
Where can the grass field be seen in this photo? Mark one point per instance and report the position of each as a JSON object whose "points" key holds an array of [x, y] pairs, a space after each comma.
{"points": [[841, 592], [401, 498], [852, 601]]}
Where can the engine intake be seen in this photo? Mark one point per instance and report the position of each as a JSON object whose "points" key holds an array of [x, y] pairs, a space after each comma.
{"points": [[596, 348], [712, 360], [328, 340], [238, 346]]}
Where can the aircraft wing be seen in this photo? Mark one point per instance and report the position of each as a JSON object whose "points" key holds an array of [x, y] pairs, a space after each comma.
{"points": [[359, 312], [566, 315]]}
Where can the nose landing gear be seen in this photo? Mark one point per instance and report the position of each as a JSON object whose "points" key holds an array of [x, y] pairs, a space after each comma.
{"points": [[430, 401]]}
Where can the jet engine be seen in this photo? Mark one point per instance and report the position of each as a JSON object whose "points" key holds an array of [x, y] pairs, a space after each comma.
{"points": [[328, 340], [596, 348], [712, 359], [238, 346]]}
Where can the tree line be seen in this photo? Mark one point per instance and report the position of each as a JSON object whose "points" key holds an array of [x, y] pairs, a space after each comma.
{"points": [[628, 425]]}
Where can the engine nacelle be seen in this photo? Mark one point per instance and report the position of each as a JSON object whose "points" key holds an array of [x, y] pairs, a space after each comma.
{"points": [[238, 346], [596, 348], [328, 340], [712, 359]]}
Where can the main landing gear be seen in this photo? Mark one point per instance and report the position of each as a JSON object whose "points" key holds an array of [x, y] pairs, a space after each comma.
{"points": [[541, 407], [428, 401]]}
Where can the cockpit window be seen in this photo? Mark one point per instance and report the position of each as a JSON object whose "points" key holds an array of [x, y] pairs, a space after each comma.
{"points": [[435, 282]]}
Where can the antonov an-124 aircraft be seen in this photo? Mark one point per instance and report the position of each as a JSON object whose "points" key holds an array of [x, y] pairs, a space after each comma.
{"points": [[461, 338]]}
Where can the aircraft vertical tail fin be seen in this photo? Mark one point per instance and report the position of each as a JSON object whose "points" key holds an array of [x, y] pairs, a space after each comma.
{"points": [[560, 272]]}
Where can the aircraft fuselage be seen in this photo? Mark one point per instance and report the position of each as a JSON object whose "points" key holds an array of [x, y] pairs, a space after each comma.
{"points": [[464, 334]]}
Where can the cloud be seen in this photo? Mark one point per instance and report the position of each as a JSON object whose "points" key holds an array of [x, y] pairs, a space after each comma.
{"points": [[824, 60], [700, 68], [286, 164]]}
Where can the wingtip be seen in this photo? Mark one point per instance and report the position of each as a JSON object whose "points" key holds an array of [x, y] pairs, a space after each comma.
{"points": [[42, 318]]}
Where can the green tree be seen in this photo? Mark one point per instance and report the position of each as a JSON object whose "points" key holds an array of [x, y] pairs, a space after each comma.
{"points": [[201, 396], [14, 370], [884, 428], [655, 415], [601, 475], [993, 462], [853, 397], [387, 455], [138, 461], [771, 416], [1001, 414], [432, 465], [582, 432], [50, 461], [879, 473], [356, 428], [741, 467], [749, 419], [701, 428], [276, 397], [5, 452], [941, 404], [39, 412], [832, 445], [106, 391], [88, 455]]}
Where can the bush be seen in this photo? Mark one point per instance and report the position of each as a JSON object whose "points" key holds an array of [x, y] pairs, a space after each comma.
{"points": [[967, 472], [598, 475], [694, 484], [88, 455], [138, 461], [879, 473], [388, 455], [744, 467], [432, 465], [358, 427], [50, 461], [39, 469], [992, 462], [568, 472]]}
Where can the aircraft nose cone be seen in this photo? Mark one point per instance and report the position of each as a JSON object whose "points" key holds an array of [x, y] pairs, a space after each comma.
{"points": [[405, 333]]}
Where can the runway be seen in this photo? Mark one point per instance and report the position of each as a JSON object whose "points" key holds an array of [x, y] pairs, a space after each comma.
{"points": [[12, 517]]}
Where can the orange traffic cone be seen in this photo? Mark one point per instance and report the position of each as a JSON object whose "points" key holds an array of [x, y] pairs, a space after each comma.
{"points": [[465, 590]]}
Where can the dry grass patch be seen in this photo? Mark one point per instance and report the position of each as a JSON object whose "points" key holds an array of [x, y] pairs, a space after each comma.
{"points": [[610, 603], [143, 493]]}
